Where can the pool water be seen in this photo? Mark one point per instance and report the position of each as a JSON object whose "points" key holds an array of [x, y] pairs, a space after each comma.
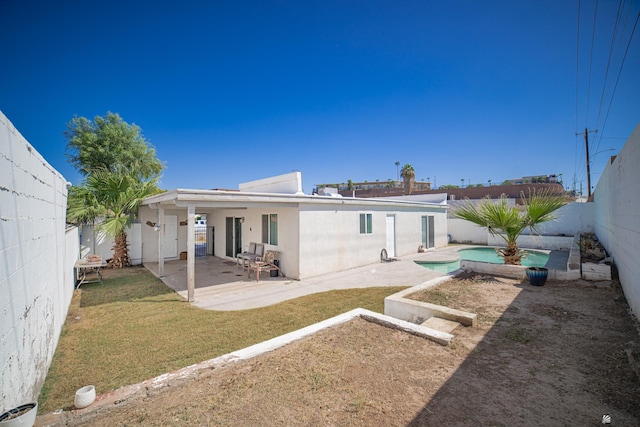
{"points": [[533, 258]]}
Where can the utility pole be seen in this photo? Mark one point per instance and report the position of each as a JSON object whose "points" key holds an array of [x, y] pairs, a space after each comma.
{"points": [[586, 145]]}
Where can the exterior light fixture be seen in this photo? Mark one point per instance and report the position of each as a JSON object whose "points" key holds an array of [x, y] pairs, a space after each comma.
{"points": [[156, 227]]}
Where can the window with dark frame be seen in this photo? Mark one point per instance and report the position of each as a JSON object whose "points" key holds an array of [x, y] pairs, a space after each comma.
{"points": [[270, 229]]}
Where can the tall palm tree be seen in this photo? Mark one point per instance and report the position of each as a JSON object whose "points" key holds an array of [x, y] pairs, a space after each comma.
{"points": [[112, 198], [509, 222], [408, 176]]}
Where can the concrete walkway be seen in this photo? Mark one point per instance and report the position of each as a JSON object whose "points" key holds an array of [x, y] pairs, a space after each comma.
{"points": [[220, 285]]}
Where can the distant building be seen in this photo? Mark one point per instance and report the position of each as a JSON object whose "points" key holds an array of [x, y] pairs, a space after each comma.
{"points": [[535, 179], [514, 190], [377, 188]]}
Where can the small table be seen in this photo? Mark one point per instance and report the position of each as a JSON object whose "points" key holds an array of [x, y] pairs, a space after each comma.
{"points": [[84, 267]]}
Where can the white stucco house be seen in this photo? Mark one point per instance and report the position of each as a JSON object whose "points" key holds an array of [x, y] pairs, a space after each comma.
{"points": [[314, 234]]}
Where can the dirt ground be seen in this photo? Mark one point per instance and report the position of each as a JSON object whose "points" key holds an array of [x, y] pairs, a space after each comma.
{"points": [[564, 354]]}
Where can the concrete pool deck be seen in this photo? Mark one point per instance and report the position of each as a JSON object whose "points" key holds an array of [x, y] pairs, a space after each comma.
{"points": [[221, 286]]}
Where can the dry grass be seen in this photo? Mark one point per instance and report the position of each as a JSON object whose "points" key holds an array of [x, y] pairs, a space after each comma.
{"points": [[135, 328]]}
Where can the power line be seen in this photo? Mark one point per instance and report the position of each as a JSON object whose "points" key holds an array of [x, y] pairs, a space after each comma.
{"points": [[606, 73], [620, 41], [575, 164], [614, 55], [635, 24], [593, 37]]}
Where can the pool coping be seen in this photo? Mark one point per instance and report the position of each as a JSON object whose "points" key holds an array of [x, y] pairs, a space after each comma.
{"points": [[571, 271]]}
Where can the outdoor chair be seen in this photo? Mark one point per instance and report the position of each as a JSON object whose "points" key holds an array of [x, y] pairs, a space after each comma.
{"points": [[240, 255], [263, 264], [255, 251]]}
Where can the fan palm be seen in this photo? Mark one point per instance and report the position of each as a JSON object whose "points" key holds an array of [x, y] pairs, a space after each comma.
{"points": [[508, 222], [408, 176], [111, 198]]}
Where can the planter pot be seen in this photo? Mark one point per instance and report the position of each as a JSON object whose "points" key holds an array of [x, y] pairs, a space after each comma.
{"points": [[23, 416], [85, 397], [537, 275]]}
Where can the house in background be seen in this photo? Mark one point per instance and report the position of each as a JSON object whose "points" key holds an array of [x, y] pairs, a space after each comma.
{"points": [[314, 234]]}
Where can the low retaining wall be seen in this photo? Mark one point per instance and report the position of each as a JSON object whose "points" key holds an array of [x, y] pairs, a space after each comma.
{"points": [[530, 241], [108, 401], [400, 307]]}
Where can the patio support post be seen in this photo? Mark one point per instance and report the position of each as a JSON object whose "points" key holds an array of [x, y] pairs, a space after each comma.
{"points": [[161, 242], [191, 268]]}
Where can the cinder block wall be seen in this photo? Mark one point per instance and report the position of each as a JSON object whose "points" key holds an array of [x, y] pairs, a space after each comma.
{"points": [[572, 219], [36, 282], [617, 216]]}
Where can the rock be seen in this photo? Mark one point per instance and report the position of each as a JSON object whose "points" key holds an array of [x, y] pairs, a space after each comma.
{"points": [[597, 253]]}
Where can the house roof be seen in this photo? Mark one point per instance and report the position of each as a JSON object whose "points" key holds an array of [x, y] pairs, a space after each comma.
{"points": [[242, 200]]}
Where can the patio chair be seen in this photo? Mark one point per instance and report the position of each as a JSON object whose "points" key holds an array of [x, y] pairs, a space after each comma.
{"points": [[240, 255], [266, 263], [247, 257]]}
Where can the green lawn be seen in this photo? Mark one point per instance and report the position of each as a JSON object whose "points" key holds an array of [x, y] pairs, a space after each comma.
{"points": [[135, 328]]}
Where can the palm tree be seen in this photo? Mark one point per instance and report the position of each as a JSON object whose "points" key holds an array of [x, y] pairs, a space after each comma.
{"points": [[112, 198], [509, 222], [408, 176]]}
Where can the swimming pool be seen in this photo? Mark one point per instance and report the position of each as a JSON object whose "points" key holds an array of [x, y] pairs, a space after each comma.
{"points": [[485, 254]]}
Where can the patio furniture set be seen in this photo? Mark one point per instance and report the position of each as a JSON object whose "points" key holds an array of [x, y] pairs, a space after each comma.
{"points": [[258, 260]]}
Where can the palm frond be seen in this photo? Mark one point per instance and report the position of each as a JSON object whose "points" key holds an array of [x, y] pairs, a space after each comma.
{"points": [[82, 206], [509, 222], [541, 207]]}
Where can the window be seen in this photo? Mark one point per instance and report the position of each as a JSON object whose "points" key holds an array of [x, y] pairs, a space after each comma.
{"points": [[270, 229], [366, 224]]}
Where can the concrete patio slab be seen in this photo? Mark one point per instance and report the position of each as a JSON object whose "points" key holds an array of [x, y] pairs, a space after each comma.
{"points": [[221, 286]]}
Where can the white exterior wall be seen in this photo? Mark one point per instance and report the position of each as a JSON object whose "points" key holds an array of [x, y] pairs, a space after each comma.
{"points": [[71, 255], [92, 243], [573, 219], [330, 238], [409, 229], [617, 216], [149, 237], [289, 183], [36, 283], [463, 231]]}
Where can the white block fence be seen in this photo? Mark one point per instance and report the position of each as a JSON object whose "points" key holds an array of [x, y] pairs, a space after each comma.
{"points": [[37, 254]]}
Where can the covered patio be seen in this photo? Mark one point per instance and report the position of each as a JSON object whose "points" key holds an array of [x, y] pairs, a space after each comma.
{"points": [[219, 285], [311, 235]]}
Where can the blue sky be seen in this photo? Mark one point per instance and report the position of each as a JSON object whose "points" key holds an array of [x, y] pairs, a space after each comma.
{"points": [[229, 92]]}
